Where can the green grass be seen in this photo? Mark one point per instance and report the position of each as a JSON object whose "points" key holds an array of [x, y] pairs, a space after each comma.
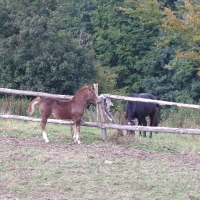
{"points": [[161, 142], [123, 167]]}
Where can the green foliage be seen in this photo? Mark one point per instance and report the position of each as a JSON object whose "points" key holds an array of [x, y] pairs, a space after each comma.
{"points": [[140, 46], [42, 55], [165, 71], [180, 117], [75, 16], [120, 40], [105, 79], [165, 77]]}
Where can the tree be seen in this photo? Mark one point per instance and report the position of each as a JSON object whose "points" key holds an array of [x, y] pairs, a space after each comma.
{"points": [[183, 27], [120, 40], [42, 55], [178, 25], [170, 66]]}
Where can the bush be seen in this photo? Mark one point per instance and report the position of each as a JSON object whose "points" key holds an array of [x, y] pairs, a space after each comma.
{"points": [[12, 105]]}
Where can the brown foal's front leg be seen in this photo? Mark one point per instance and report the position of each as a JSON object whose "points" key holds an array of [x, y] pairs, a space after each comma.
{"points": [[76, 135]]}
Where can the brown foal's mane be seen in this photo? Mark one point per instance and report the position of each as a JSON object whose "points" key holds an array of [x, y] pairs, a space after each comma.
{"points": [[83, 88]]}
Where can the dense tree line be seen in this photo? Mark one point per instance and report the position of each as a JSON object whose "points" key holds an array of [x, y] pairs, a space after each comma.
{"points": [[126, 46]]}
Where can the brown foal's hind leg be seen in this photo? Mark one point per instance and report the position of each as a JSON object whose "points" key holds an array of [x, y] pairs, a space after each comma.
{"points": [[43, 125]]}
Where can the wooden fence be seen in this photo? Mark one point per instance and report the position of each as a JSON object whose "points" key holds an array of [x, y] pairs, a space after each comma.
{"points": [[103, 113]]}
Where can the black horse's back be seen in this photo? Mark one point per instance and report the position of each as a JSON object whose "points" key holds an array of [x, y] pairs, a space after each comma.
{"points": [[144, 95]]}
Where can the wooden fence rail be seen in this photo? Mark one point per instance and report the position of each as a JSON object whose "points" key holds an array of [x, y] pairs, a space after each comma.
{"points": [[102, 124], [162, 103], [31, 93], [115, 97], [110, 126]]}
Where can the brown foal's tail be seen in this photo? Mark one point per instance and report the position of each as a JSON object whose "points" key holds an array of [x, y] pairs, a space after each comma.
{"points": [[32, 105]]}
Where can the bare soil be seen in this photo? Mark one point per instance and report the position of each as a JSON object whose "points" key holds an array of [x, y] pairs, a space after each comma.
{"points": [[107, 149]]}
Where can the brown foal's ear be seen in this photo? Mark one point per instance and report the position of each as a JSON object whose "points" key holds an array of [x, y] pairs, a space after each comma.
{"points": [[90, 87]]}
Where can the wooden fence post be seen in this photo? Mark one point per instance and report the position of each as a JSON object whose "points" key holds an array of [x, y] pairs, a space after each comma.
{"points": [[101, 110], [96, 89], [103, 117]]}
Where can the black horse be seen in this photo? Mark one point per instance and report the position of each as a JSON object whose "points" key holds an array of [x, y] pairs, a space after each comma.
{"points": [[140, 110]]}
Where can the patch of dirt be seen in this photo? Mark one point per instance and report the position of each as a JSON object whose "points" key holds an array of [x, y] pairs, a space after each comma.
{"points": [[99, 150]]}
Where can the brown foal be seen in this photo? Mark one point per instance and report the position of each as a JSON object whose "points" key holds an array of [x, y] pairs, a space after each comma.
{"points": [[65, 109]]}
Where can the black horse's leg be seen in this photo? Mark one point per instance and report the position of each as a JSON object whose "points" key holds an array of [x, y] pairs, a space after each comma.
{"points": [[131, 132], [150, 134], [144, 123], [153, 122], [140, 124]]}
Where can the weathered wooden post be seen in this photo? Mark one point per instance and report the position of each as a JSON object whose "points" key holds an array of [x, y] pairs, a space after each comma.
{"points": [[100, 107], [102, 114], [96, 89]]}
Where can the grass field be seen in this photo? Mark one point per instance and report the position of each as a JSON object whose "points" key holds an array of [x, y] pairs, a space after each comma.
{"points": [[123, 167]]}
